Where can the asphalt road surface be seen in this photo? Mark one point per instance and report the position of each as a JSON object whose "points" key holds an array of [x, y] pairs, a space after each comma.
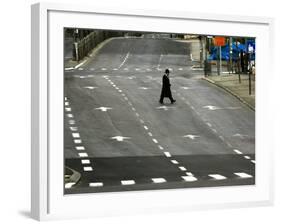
{"points": [[118, 136]]}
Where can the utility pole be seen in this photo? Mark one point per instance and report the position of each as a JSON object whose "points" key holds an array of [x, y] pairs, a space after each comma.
{"points": [[230, 55]]}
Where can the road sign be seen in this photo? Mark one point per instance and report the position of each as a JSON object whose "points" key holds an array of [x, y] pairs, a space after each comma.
{"points": [[219, 41]]}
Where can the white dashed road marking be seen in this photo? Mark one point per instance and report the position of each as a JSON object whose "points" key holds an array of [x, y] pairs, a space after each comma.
{"points": [[174, 161], [75, 135], [217, 176], [243, 175], [189, 178], [237, 151], [96, 184], [127, 182], [158, 180], [88, 168], [85, 161], [167, 154], [83, 154]]}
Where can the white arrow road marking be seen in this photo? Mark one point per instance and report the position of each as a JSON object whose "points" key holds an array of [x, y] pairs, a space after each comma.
{"points": [[164, 108], [120, 138], [90, 87], [191, 136], [103, 109]]}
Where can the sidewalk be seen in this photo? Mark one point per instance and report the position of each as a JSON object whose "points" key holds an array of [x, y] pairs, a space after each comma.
{"points": [[226, 81], [230, 83]]}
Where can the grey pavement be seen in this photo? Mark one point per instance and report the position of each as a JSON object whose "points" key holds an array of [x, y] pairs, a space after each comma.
{"points": [[119, 137]]}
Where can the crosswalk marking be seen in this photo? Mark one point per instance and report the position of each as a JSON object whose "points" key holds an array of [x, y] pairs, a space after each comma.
{"points": [[189, 178], [158, 180], [85, 161], [243, 175], [88, 168], [217, 176], [96, 184], [128, 182]]}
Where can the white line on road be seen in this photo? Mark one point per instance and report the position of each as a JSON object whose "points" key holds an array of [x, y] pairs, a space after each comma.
{"points": [[189, 178], [237, 151], [83, 154], [73, 128], [158, 180], [247, 157], [253, 161], [125, 59], [209, 124], [243, 175], [167, 154], [68, 109], [71, 122], [189, 174], [85, 161], [128, 182], [69, 185], [174, 161], [217, 176], [150, 134], [182, 168], [80, 147], [145, 127], [75, 135], [96, 184], [77, 141], [155, 141], [160, 147], [88, 168], [214, 130]]}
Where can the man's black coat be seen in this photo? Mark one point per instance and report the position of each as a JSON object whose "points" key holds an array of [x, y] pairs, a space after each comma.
{"points": [[166, 90]]}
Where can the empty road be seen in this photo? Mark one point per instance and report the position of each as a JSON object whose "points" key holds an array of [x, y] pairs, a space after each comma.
{"points": [[118, 136]]}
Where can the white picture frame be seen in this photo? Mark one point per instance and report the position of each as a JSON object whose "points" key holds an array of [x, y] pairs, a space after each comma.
{"points": [[48, 201]]}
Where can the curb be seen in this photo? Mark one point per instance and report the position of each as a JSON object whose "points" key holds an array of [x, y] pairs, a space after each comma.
{"points": [[232, 93], [91, 54]]}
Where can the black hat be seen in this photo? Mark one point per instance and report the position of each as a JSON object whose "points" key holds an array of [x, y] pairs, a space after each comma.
{"points": [[167, 71]]}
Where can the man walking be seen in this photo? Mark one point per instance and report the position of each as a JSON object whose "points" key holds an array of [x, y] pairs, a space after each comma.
{"points": [[166, 90]]}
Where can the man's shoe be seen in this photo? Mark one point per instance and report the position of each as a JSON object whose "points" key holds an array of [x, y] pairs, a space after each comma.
{"points": [[173, 101]]}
